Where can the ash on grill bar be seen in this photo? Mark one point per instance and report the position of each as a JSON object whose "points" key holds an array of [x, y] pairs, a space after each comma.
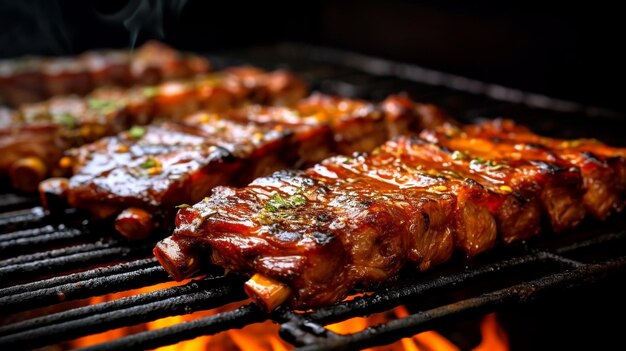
{"points": [[294, 197]]}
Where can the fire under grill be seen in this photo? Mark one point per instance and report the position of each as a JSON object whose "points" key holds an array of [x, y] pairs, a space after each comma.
{"points": [[49, 261]]}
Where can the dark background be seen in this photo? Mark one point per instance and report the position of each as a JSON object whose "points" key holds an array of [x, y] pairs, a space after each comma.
{"points": [[570, 52]]}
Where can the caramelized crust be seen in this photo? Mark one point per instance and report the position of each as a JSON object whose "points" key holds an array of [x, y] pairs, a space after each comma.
{"points": [[161, 166], [356, 221], [320, 234], [32, 79], [602, 167], [108, 174], [70, 121], [521, 171]]}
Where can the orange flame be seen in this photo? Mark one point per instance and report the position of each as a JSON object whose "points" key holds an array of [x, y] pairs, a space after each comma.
{"points": [[494, 337], [264, 336]]}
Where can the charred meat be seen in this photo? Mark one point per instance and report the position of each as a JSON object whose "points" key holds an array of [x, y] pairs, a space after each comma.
{"points": [[39, 133], [308, 237], [31, 79], [108, 177]]}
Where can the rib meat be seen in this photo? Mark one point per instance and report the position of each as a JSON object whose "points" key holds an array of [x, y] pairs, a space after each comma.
{"points": [[551, 184], [161, 166], [319, 234], [31, 79], [356, 221], [71, 121], [103, 180], [603, 168]]}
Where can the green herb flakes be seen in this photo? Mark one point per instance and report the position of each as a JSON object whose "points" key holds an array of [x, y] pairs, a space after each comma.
{"points": [[66, 120], [278, 202], [104, 106], [458, 155], [150, 92], [148, 163], [136, 132]]}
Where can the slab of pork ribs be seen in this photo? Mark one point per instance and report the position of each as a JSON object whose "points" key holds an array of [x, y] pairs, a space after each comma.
{"points": [[139, 176], [308, 237], [34, 136], [30, 79]]}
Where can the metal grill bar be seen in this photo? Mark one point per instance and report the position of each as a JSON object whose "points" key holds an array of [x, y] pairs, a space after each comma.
{"points": [[81, 277], [38, 238], [199, 299], [238, 318], [28, 233], [89, 256], [422, 321], [111, 306], [22, 218], [391, 298], [56, 253], [93, 287], [10, 202]]}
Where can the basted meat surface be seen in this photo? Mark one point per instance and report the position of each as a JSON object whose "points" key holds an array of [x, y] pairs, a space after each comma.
{"points": [[70, 121], [602, 167], [107, 175], [31, 79], [356, 221], [160, 166]]}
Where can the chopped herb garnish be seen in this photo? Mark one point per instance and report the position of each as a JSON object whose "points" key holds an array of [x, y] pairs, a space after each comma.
{"points": [[497, 167], [270, 207], [149, 92], [67, 120], [478, 161], [148, 163], [183, 206], [278, 202], [298, 200], [458, 155], [136, 132], [104, 106]]}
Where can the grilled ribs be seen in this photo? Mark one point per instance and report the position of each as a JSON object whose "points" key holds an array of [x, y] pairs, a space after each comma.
{"points": [[158, 167], [542, 185], [603, 168], [32, 79], [35, 135], [106, 179], [310, 236]]}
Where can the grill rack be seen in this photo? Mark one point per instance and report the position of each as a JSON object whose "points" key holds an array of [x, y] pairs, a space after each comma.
{"points": [[49, 259]]}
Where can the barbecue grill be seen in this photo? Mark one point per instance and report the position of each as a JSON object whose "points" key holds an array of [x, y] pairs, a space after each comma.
{"points": [[49, 260]]}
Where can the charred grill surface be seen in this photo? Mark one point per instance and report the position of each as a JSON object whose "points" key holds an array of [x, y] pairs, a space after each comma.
{"points": [[55, 247]]}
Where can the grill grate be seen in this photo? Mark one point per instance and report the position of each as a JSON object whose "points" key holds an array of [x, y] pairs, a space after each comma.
{"points": [[48, 260]]}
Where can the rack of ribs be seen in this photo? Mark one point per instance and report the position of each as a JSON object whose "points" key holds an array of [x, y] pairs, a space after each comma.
{"points": [[34, 136], [153, 169], [603, 168], [31, 79], [308, 237]]}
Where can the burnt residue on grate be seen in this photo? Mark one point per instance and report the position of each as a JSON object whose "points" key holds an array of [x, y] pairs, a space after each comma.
{"points": [[46, 261]]}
